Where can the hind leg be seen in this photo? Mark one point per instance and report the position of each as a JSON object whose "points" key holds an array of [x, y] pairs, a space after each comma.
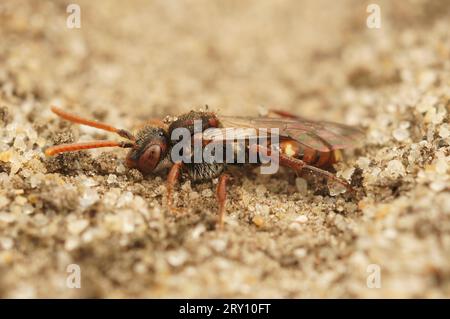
{"points": [[298, 166]]}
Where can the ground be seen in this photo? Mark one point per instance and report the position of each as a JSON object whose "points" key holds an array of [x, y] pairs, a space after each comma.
{"points": [[136, 60]]}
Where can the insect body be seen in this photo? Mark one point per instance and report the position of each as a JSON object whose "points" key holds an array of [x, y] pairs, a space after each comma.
{"points": [[303, 144]]}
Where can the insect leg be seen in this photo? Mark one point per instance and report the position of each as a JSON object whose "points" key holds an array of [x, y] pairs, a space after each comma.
{"points": [[172, 179], [280, 113], [221, 198], [298, 165]]}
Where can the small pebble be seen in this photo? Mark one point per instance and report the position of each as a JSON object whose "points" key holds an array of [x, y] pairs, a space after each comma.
{"points": [[6, 243], [438, 186], [258, 221], [262, 209], [3, 201], [194, 195], [112, 179], [300, 252], [207, 193], [177, 258], [301, 219], [77, 226], [401, 134], [363, 163], [444, 131], [395, 168], [302, 185]]}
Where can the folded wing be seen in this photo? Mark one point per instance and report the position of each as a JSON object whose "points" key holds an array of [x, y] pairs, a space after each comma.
{"points": [[319, 135]]}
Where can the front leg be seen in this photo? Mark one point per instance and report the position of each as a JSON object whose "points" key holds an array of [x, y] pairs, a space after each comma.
{"points": [[221, 199], [172, 179]]}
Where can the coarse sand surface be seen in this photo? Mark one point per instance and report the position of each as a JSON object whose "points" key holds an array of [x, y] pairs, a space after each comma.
{"points": [[135, 60]]}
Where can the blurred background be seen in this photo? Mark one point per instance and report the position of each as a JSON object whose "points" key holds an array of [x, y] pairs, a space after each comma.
{"points": [[161, 57], [137, 59]]}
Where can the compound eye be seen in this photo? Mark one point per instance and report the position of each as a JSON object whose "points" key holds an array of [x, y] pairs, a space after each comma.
{"points": [[150, 158]]}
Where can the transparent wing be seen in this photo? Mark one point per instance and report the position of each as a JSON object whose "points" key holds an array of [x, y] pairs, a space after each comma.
{"points": [[321, 136]]}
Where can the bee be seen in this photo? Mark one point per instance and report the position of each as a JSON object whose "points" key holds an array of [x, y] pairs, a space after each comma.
{"points": [[303, 145]]}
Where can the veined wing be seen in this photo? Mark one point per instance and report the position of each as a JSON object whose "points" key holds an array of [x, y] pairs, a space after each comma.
{"points": [[319, 135]]}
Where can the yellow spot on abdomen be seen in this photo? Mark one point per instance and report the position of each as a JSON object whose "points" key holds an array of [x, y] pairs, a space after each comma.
{"points": [[337, 154]]}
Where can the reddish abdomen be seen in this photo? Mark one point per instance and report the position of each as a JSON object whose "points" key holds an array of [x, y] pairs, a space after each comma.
{"points": [[308, 155]]}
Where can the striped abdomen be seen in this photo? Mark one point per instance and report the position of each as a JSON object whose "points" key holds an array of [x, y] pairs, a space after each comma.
{"points": [[308, 155]]}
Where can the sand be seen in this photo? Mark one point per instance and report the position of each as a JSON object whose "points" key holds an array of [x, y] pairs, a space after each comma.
{"points": [[137, 60]]}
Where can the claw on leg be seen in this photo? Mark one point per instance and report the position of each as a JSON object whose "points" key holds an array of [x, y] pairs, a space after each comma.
{"points": [[221, 199]]}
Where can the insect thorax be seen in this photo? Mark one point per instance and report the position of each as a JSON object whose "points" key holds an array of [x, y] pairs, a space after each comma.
{"points": [[203, 171]]}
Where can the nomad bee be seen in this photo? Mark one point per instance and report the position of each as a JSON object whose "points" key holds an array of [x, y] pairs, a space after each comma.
{"points": [[302, 144]]}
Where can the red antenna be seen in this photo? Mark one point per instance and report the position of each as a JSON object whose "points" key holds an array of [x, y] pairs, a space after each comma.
{"points": [[53, 150]]}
